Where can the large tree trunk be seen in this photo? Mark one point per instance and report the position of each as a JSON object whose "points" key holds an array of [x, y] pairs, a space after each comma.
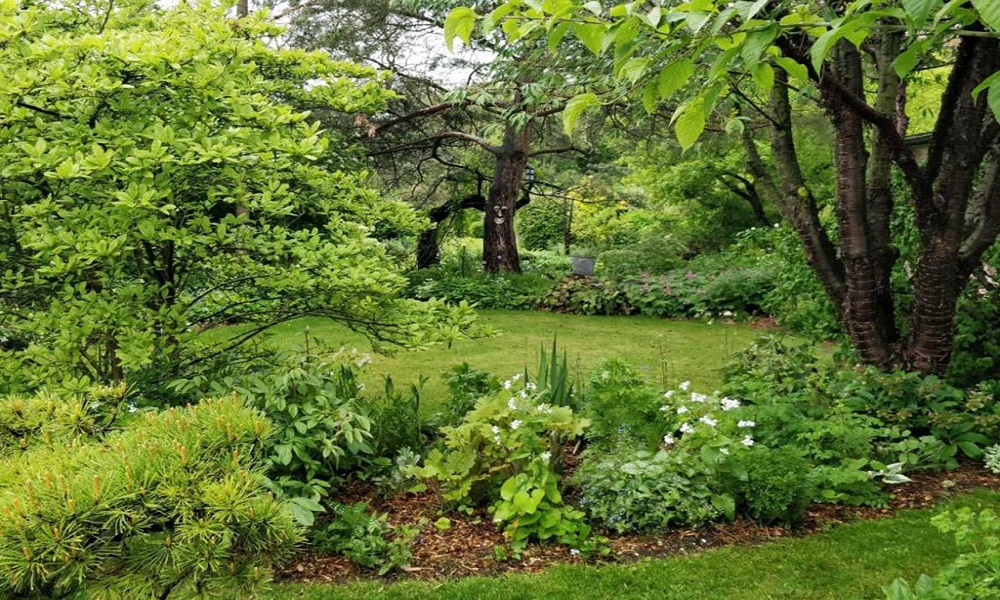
{"points": [[955, 198], [499, 240]]}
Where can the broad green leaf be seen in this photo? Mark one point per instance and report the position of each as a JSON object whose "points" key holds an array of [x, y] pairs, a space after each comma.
{"points": [[650, 97], [591, 35], [821, 48], [633, 70], [674, 76], [917, 11], [757, 42], [989, 13], [557, 34], [763, 76], [993, 98], [690, 123], [905, 62], [575, 107], [794, 69], [460, 23]]}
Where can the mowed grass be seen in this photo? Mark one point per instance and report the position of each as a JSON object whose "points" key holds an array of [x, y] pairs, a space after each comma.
{"points": [[666, 351], [847, 562]]}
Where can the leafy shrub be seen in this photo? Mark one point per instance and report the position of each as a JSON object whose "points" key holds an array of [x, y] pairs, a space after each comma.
{"points": [[651, 255], [320, 425], [586, 296], [541, 223], [637, 490], [975, 574], [769, 367], [507, 291], [401, 475], [466, 385], [395, 418], [620, 403], [778, 488], [173, 505], [551, 264], [503, 455], [991, 458], [366, 540]]}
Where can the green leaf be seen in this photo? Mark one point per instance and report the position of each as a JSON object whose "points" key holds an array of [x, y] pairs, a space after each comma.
{"points": [[591, 35], [460, 22], [575, 107], [634, 69], [989, 13], [993, 98], [793, 68], [919, 10], [757, 42], [821, 49], [763, 76], [674, 76], [690, 123], [906, 61]]}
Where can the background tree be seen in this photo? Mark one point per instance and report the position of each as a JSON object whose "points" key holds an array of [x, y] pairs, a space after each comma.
{"points": [[853, 61], [122, 185]]}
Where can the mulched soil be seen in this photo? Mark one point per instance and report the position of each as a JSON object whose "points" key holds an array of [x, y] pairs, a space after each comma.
{"points": [[467, 547]]}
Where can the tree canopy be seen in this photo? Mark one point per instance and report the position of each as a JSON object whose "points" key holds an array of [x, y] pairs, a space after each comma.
{"points": [[161, 173]]}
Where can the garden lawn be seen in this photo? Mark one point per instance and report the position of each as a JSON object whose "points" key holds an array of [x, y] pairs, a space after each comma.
{"points": [[850, 561], [666, 351]]}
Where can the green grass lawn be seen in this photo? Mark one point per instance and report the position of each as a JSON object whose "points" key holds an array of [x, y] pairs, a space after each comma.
{"points": [[666, 351], [847, 562]]}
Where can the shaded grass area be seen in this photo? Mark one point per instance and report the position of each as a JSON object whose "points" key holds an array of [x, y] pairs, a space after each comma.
{"points": [[849, 561], [666, 351]]}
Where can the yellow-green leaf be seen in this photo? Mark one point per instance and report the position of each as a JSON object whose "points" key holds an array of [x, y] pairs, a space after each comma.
{"points": [[460, 23]]}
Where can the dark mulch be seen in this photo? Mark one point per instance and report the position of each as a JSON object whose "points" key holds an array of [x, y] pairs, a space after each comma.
{"points": [[467, 547]]}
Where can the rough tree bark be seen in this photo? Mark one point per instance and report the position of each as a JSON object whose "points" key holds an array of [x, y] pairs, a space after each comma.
{"points": [[955, 196], [499, 240]]}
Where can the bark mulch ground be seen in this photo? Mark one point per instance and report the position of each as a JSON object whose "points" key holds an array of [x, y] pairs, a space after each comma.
{"points": [[467, 547]]}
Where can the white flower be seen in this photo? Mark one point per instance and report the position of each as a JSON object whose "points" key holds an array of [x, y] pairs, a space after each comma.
{"points": [[546, 456], [530, 386], [544, 408], [730, 404], [516, 376], [665, 408], [681, 410], [512, 404], [361, 387], [668, 440], [574, 552], [686, 428], [507, 384], [745, 424], [727, 313], [523, 393], [777, 225], [724, 451], [132, 407], [708, 420], [696, 397], [515, 423], [669, 394], [496, 430], [685, 385], [748, 441]]}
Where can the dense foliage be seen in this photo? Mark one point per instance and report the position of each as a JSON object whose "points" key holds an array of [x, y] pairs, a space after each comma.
{"points": [[173, 505], [161, 175]]}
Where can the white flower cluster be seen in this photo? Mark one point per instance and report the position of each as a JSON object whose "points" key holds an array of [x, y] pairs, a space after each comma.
{"points": [[730, 404]]}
